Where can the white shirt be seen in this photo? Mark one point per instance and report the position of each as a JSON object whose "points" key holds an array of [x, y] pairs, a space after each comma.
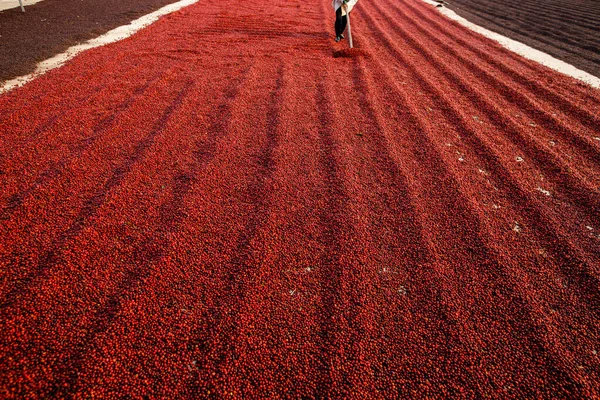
{"points": [[338, 3]]}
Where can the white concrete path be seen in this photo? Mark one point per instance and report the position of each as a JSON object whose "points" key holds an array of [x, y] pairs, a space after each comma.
{"points": [[522, 49], [8, 4]]}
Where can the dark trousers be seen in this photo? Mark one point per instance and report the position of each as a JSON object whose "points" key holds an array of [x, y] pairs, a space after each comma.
{"points": [[340, 22]]}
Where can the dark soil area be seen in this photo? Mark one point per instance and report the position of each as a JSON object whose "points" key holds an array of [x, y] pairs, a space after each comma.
{"points": [[52, 26], [567, 30]]}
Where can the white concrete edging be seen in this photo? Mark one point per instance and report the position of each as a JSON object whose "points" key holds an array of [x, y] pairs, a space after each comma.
{"points": [[522, 49], [8, 4], [114, 35]]}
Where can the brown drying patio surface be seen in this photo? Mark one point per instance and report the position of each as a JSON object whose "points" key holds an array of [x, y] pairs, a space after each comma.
{"points": [[219, 207], [568, 30], [52, 26]]}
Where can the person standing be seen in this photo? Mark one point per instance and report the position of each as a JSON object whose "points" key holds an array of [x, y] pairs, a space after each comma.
{"points": [[341, 7]]}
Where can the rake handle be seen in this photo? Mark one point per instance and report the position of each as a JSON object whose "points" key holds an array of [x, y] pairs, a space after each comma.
{"points": [[349, 29]]}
